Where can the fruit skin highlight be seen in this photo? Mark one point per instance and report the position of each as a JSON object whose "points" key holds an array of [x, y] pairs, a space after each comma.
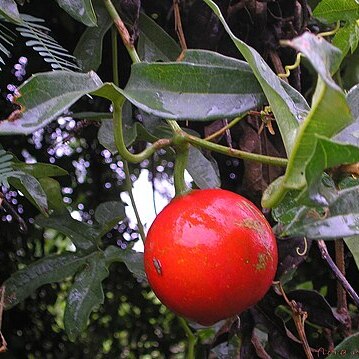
{"points": [[209, 255]]}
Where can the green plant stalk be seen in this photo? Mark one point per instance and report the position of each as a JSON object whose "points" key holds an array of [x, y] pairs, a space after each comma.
{"points": [[136, 158], [182, 150], [179, 168], [120, 142], [269, 160], [192, 339], [116, 78], [125, 36], [140, 227], [125, 163]]}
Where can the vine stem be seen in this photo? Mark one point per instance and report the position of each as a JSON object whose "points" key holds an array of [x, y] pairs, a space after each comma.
{"points": [[339, 275], [125, 36], [226, 127], [117, 116], [192, 339], [269, 160], [140, 227], [125, 163], [120, 142]]}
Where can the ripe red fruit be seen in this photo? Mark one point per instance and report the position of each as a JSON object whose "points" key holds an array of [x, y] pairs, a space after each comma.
{"points": [[209, 255]]}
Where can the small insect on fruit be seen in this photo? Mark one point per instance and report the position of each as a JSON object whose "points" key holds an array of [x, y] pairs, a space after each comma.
{"points": [[209, 255]]}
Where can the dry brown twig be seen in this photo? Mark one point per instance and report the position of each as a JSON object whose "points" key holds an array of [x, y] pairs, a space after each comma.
{"points": [[299, 317], [178, 25]]}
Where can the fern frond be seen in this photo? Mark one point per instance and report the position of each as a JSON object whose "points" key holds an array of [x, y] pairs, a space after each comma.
{"points": [[46, 46], [6, 168], [6, 41]]}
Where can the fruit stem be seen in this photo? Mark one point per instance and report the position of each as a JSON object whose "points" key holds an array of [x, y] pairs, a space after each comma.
{"points": [[192, 339], [182, 150]]}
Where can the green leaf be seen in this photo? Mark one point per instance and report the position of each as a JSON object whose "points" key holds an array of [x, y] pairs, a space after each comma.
{"points": [[218, 92], [324, 119], [283, 106], [339, 220], [54, 197], [31, 188], [351, 133], [353, 245], [45, 96], [133, 260], [84, 236], [40, 170], [106, 137], [204, 172], [106, 132], [38, 37], [205, 57], [336, 10], [92, 116], [88, 50], [108, 214], [154, 44], [9, 10], [81, 10], [348, 347], [85, 295], [53, 268], [183, 90], [327, 154], [347, 38], [6, 167]]}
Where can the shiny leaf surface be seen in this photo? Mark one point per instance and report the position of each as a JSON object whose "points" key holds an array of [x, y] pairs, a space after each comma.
{"points": [[88, 51], [85, 295], [324, 119], [53, 268], [284, 108], [81, 10]]}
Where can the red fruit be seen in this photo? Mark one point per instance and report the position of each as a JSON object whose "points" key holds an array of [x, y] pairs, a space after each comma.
{"points": [[209, 255]]}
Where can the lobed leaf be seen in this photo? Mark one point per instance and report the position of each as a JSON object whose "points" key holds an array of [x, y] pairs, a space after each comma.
{"points": [[133, 260], [108, 214], [84, 236], [85, 295], [53, 268]]}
